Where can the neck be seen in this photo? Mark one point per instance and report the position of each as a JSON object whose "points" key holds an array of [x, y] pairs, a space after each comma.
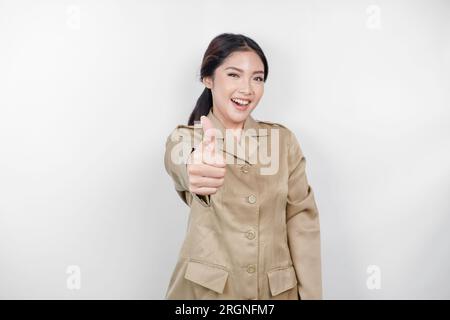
{"points": [[233, 126], [236, 128]]}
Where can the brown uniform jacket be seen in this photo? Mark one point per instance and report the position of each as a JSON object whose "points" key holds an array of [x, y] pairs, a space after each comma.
{"points": [[258, 236]]}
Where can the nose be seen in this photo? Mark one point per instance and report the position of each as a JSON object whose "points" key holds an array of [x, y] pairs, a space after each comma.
{"points": [[246, 88]]}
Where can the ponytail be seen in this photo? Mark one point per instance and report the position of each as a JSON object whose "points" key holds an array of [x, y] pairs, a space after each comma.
{"points": [[202, 107]]}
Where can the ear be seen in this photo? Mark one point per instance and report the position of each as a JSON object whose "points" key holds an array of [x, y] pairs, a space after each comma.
{"points": [[207, 81]]}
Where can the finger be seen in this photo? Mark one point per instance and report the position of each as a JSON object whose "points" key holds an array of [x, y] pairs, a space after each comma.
{"points": [[198, 153], [213, 158], [206, 182], [204, 191], [209, 132], [202, 156], [207, 171]]}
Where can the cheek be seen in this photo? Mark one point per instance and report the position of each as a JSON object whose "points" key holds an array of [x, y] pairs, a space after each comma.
{"points": [[259, 93], [260, 90], [222, 94], [225, 93], [226, 85]]}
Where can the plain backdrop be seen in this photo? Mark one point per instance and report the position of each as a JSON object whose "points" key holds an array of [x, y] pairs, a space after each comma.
{"points": [[90, 90]]}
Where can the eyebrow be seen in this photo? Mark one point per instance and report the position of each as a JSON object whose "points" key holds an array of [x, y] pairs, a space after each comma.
{"points": [[240, 70]]}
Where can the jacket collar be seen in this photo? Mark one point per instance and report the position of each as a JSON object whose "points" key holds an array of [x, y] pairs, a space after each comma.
{"points": [[246, 148]]}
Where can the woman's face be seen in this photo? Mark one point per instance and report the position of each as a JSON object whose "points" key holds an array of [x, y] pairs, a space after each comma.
{"points": [[241, 77]]}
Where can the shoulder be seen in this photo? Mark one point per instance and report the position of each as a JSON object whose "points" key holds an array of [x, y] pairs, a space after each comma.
{"points": [[185, 133], [270, 123], [285, 133], [182, 130]]}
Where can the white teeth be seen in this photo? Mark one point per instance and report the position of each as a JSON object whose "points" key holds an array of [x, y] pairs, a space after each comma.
{"points": [[241, 102]]}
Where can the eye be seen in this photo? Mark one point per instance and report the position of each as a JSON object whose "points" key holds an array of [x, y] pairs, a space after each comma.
{"points": [[260, 79], [233, 74]]}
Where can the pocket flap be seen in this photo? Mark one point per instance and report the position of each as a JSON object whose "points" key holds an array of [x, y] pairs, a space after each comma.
{"points": [[208, 276], [281, 280]]}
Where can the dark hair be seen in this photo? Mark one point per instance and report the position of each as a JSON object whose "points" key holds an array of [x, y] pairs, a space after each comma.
{"points": [[218, 50]]}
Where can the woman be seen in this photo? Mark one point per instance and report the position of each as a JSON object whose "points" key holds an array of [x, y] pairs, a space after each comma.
{"points": [[253, 230]]}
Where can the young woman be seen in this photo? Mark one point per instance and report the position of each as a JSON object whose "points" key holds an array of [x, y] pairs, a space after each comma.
{"points": [[253, 230]]}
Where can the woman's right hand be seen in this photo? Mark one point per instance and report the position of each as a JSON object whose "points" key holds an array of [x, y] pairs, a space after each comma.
{"points": [[206, 168]]}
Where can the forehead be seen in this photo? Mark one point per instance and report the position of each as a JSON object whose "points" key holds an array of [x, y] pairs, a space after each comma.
{"points": [[245, 60]]}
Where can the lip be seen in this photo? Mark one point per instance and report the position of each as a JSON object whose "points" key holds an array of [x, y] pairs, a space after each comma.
{"points": [[238, 107], [245, 99]]}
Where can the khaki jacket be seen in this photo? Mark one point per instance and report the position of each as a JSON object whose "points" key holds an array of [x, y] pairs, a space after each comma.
{"points": [[258, 236]]}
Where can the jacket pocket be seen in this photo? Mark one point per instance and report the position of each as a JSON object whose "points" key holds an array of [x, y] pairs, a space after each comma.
{"points": [[207, 275], [281, 279]]}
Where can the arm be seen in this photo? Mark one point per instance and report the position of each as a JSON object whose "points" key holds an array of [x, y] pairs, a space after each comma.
{"points": [[303, 229], [179, 147]]}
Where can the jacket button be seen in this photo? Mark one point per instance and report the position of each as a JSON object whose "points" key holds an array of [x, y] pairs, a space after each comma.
{"points": [[251, 268], [250, 234], [251, 199], [244, 168]]}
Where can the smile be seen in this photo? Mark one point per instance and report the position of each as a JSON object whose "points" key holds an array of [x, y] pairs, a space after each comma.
{"points": [[240, 104]]}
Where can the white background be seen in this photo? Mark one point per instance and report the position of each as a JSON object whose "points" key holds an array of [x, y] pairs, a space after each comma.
{"points": [[90, 90]]}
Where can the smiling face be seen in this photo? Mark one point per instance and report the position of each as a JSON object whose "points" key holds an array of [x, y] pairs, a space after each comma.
{"points": [[237, 86]]}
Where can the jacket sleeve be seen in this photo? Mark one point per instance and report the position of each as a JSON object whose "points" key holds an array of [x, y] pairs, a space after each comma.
{"points": [[303, 229], [179, 146]]}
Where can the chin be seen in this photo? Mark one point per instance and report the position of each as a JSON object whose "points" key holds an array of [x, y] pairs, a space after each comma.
{"points": [[238, 117]]}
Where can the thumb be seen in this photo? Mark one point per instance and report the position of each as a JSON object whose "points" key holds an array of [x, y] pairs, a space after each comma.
{"points": [[209, 132]]}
